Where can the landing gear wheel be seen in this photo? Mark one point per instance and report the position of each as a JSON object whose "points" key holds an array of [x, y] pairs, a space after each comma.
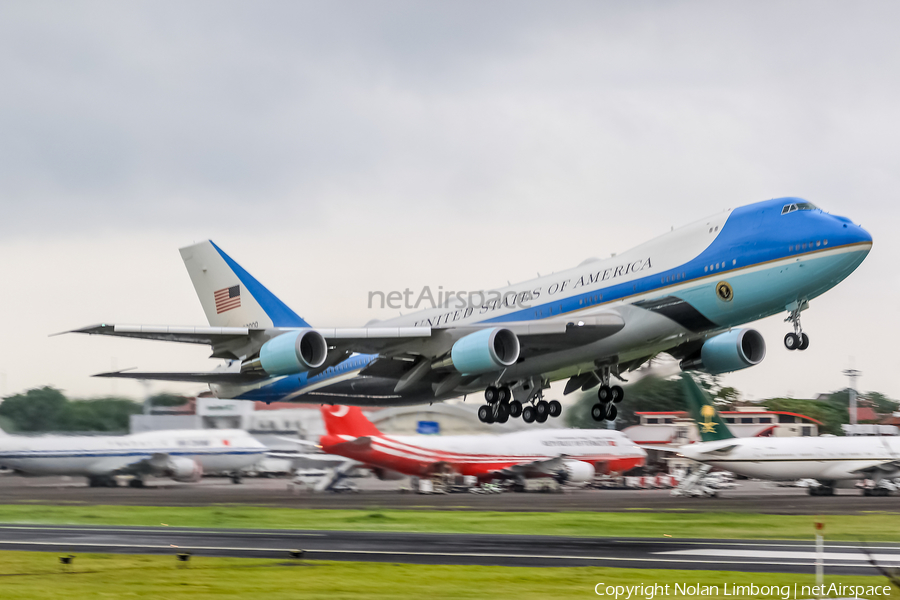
{"points": [[791, 341], [136, 483], [604, 394], [804, 342], [542, 408], [618, 394], [485, 414], [504, 394], [236, 479], [528, 414], [515, 409], [555, 408], [611, 412], [490, 393], [598, 412], [542, 418], [502, 415]]}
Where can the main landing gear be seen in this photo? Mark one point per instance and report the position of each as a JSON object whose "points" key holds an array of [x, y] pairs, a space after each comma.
{"points": [[608, 396], [501, 406], [796, 340]]}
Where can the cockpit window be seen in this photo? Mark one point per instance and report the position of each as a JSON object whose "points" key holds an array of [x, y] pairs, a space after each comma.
{"points": [[798, 206]]}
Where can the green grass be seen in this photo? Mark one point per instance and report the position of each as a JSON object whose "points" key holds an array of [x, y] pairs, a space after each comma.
{"points": [[867, 527], [38, 575]]}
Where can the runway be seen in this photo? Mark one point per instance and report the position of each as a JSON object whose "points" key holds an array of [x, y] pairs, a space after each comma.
{"points": [[454, 549], [751, 496]]}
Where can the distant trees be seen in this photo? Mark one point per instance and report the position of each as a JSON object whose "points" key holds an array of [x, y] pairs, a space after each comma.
{"points": [[831, 416], [652, 393], [168, 400], [47, 409]]}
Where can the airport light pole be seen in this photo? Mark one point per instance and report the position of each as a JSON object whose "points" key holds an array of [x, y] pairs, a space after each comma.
{"points": [[852, 374]]}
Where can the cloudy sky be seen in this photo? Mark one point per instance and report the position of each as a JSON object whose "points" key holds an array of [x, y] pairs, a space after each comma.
{"points": [[335, 148]]}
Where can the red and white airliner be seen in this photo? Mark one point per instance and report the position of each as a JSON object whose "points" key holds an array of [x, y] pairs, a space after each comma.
{"points": [[569, 455]]}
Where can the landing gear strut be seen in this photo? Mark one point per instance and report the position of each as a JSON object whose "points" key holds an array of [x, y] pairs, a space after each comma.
{"points": [[608, 397], [500, 406], [796, 340]]}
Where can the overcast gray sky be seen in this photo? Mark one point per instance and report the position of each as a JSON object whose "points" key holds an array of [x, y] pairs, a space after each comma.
{"points": [[334, 148]]}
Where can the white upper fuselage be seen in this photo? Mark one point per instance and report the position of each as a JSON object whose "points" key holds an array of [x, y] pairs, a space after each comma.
{"points": [[825, 458], [220, 450]]}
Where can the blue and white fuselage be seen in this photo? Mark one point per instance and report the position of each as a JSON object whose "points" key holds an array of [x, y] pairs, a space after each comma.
{"points": [[670, 294]]}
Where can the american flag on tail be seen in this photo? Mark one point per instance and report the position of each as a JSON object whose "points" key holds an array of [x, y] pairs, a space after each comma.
{"points": [[228, 298]]}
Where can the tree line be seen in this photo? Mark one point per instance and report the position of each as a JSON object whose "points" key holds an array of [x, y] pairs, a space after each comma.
{"points": [[47, 409], [652, 393]]}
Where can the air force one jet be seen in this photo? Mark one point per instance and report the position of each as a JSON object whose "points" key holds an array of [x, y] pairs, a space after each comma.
{"points": [[684, 293], [179, 455]]}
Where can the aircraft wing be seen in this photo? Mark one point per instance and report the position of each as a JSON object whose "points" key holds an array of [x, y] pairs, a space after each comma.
{"points": [[202, 377], [548, 466], [237, 342], [120, 465], [885, 467], [240, 342]]}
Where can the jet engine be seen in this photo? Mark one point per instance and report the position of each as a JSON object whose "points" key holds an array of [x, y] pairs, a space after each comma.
{"points": [[483, 351], [183, 469], [731, 351], [289, 353], [575, 471]]}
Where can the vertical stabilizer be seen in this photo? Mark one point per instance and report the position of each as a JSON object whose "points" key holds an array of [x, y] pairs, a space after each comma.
{"points": [[230, 296], [701, 408], [347, 420]]}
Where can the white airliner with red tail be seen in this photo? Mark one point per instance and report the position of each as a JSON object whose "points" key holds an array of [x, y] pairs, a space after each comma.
{"points": [[569, 455]]}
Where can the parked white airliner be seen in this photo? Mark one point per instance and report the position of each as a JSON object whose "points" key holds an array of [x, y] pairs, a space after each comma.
{"points": [[183, 455], [683, 293], [827, 459]]}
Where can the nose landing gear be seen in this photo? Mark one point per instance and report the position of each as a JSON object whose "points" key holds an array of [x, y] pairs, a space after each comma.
{"points": [[796, 340]]}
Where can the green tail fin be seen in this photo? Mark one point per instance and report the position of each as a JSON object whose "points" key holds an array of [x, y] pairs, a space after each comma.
{"points": [[702, 410]]}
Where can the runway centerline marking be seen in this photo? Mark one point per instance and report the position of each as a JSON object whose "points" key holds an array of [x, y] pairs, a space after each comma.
{"points": [[783, 554]]}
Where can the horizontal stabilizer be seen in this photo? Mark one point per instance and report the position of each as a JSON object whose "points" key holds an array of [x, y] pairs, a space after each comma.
{"points": [[207, 377], [360, 443], [210, 336]]}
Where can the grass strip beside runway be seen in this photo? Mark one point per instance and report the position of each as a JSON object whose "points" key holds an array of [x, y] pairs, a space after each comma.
{"points": [[29, 575], [678, 525]]}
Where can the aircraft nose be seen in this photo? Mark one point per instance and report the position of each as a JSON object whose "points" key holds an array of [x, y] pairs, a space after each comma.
{"points": [[863, 235], [851, 233]]}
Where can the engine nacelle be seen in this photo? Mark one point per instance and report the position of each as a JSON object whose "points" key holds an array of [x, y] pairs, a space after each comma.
{"points": [[180, 468], [289, 353], [483, 351], [575, 471], [731, 351]]}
